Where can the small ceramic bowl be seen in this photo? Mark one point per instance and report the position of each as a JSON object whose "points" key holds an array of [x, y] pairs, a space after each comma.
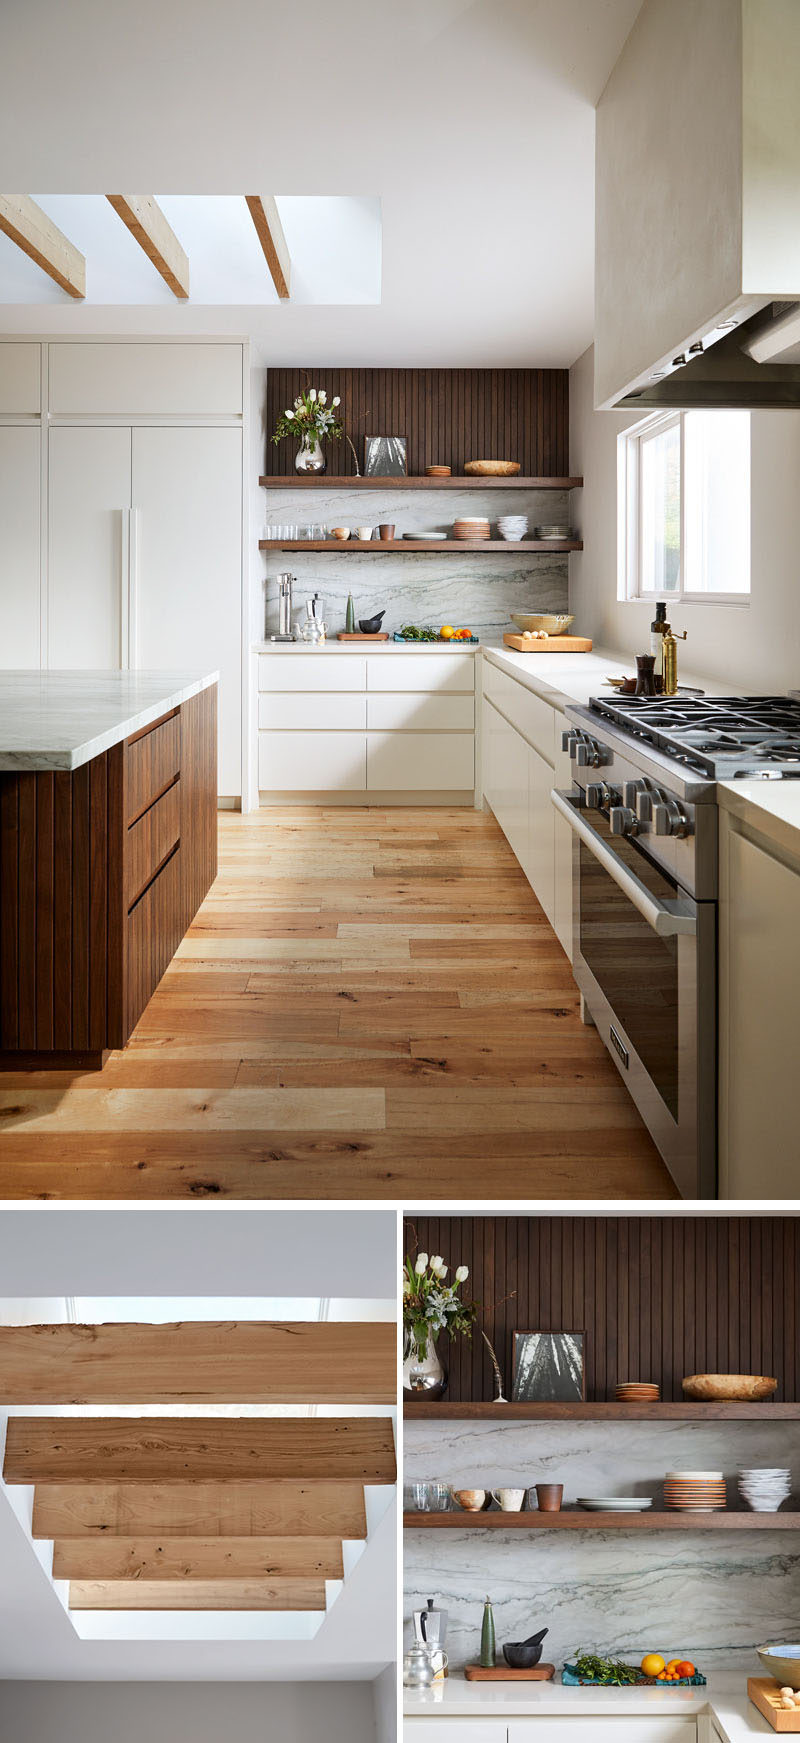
{"points": [[470, 1500], [341, 533], [363, 533], [782, 1662]]}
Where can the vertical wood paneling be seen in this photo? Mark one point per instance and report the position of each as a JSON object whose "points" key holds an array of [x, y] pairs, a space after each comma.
{"points": [[9, 905], [80, 907], [62, 912], [27, 909], [448, 416], [659, 1297]]}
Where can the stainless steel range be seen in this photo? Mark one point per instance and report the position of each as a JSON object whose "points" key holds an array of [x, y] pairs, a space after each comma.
{"points": [[643, 813]]}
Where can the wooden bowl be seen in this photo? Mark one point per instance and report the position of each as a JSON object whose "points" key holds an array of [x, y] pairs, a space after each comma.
{"points": [[492, 468], [437, 472], [747, 1388]]}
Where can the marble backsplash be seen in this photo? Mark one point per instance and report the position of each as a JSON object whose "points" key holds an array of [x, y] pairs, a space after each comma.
{"points": [[477, 589], [712, 1594]]}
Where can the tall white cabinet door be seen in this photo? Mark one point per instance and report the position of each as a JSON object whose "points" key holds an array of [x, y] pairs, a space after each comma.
{"points": [[20, 533], [186, 567], [90, 493]]}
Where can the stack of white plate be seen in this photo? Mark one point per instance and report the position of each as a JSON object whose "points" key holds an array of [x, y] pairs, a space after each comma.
{"points": [[512, 527], [765, 1488], [615, 1503]]}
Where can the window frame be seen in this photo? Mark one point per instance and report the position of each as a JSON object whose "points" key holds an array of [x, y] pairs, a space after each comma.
{"points": [[629, 519]]}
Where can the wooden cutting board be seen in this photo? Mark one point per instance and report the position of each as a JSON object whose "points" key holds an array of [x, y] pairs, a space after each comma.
{"points": [[344, 635], [764, 1693], [553, 644], [504, 1673]]}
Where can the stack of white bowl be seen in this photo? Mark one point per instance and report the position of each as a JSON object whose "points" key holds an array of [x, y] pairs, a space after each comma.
{"points": [[512, 527], [765, 1488]]}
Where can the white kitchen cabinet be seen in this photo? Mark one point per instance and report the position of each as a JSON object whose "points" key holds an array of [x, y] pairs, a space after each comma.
{"points": [[452, 1730], [411, 712], [759, 1015], [311, 672], [541, 832], [20, 539], [186, 567], [20, 378], [313, 711], [310, 762], [517, 783], [562, 839], [87, 590], [421, 672], [603, 1728], [423, 762], [103, 378]]}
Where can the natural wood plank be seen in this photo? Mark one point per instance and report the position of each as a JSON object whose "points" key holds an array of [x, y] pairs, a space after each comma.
{"points": [[269, 230], [461, 481], [197, 1558], [228, 1361], [576, 1520], [177, 1510], [197, 1595], [142, 215], [43, 242], [73, 1449]]}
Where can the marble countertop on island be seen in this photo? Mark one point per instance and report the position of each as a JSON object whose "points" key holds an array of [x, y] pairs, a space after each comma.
{"points": [[61, 720], [724, 1696]]}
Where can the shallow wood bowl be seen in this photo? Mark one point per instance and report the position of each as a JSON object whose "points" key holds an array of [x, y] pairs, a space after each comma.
{"points": [[492, 468], [720, 1387]]}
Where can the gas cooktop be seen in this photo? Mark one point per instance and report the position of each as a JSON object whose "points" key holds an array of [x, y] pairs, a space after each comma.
{"points": [[724, 737]]}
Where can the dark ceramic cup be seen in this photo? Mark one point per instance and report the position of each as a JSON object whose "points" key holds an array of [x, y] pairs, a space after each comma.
{"points": [[549, 1497]]}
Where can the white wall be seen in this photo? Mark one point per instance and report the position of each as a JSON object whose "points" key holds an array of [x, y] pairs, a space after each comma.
{"points": [[384, 1698], [753, 647], [58, 1712]]}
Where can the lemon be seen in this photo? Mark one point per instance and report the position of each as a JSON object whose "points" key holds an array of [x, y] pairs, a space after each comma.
{"points": [[447, 632], [652, 1664]]}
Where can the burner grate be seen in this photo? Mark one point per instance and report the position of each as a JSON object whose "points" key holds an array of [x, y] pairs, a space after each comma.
{"points": [[725, 737]]}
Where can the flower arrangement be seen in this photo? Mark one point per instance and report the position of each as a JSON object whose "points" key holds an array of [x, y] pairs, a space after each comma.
{"points": [[311, 419], [430, 1305]]}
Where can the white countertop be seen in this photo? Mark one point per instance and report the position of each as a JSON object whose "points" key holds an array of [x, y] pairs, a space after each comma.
{"points": [[772, 808], [725, 1695], [60, 720], [332, 646]]}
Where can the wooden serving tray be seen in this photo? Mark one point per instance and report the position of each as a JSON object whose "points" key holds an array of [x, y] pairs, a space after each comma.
{"points": [[344, 635], [765, 1694], [504, 1673], [553, 644]]}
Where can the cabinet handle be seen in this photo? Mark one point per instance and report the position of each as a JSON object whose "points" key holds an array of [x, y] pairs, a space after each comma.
{"points": [[133, 591], [124, 587]]}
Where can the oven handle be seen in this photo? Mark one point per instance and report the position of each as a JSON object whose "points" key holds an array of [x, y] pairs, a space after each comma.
{"points": [[668, 919]]}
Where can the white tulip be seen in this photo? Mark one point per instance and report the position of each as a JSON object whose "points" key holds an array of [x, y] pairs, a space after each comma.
{"points": [[406, 1286], [322, 396], [337, 399], [462, 1274], [436, 1261], [290, 414], [442, 1273], [422, 1264], [297, 404], [312, 393]]}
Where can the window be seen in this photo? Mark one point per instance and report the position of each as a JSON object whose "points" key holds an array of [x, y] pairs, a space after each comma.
{"points": [[684, 507]]}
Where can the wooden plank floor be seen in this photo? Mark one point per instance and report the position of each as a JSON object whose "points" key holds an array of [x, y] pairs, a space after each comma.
{"points": [[370, 1004]]}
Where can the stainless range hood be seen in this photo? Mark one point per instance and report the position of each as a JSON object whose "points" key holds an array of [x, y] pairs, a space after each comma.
{"points": [[697, 210]]}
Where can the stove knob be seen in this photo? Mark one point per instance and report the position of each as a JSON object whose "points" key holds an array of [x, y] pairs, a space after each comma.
{"points": [[669, 819], [594, 796], [623, 820], [569, 741], [592, 754], [644, 806]]}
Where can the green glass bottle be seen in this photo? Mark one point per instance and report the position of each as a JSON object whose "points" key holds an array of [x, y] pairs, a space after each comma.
{"points": [[350, 616], [488, 1646]]}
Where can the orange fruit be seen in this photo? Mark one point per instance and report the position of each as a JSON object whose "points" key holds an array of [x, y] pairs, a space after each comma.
{"points": [[684, 1667], [652, 1664], [447, 632]]}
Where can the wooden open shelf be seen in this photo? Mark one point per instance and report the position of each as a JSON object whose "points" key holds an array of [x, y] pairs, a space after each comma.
{"points": [[457, 482], [576, 1519], [502, 547], [607, 1410]]}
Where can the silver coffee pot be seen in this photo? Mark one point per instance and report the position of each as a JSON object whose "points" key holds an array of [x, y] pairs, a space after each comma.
{"points": [[430, 1630]]}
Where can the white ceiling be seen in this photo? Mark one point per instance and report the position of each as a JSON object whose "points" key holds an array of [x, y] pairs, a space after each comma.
{"points": [[473, 123]]}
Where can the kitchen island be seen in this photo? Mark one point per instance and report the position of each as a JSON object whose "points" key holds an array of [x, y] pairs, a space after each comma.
{"points": [[538, 1712], [107, 848]]}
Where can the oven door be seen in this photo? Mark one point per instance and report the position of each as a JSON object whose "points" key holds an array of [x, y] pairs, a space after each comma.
{"points": [[644, 960]]}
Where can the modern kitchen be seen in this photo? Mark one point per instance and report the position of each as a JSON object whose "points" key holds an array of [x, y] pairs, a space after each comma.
{"points": [[400, 720], [599, 1501]]}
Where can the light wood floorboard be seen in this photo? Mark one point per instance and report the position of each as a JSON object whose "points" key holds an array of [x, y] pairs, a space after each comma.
{"points": [[370, 1004]]}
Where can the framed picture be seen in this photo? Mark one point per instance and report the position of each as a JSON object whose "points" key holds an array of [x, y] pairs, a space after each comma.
{"points": [[385, 457], [549, 1367]]}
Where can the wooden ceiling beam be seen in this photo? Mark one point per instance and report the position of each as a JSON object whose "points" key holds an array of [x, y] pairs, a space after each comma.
{"points": [[42, 241], [180, 1510], [264, 213], [72, 1449], [143, 216], [197, 1558], [197, 1595], [225, 1362]]}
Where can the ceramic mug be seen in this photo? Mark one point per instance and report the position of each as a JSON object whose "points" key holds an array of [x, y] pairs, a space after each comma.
{"points": [[471, 1500], [364, 533], [509, 1500], [341, 533], [386, 530], [549, 1497]]}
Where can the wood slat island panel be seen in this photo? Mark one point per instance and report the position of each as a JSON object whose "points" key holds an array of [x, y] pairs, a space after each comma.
{"points": [[194, 1449], [253, 1508], [230, 1361]]}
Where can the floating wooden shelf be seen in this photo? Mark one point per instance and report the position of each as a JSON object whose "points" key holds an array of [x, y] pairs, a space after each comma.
{"points": [[606, 1410], [570, 1519], [501, 547], [456, 482]]}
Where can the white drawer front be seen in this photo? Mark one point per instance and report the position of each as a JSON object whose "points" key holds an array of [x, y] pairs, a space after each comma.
{"points": [[598, 1728], [406, 671], [445, 1730], [420, 761], [312, 711], [310, 762], [311, 672], [535, 719], [415, 712]]}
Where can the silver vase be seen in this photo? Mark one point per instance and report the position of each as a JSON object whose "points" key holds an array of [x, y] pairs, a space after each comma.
{"points": [[424, 1376], [309, 456]]}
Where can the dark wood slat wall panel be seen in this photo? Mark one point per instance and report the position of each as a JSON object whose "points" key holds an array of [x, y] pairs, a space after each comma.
{"points": [[448, 416], [198, 800], [659, 1297], [9, 910]]}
